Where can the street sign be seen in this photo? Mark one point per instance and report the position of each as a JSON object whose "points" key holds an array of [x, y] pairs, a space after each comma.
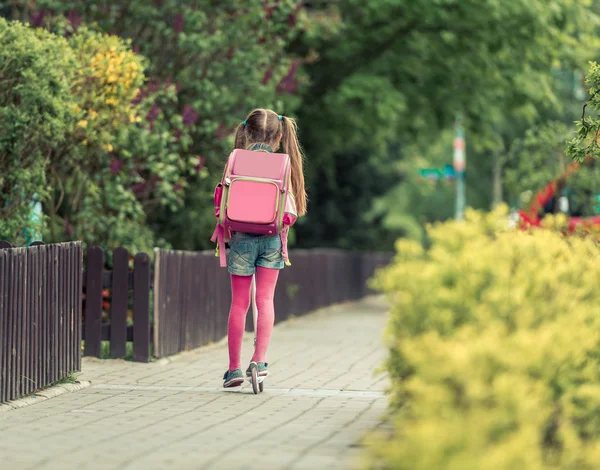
{"points": [[459, 151], [432, 174], [437, 174], [449, 172]]}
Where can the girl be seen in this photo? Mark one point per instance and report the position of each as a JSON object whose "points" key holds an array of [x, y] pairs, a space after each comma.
{"points": [[259, 254]]}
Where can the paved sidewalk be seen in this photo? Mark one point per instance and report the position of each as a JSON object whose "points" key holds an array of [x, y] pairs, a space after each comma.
{"points": [[319, 401]]}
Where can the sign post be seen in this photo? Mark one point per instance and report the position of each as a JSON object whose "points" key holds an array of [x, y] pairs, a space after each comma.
{"points": [[459, 162]]}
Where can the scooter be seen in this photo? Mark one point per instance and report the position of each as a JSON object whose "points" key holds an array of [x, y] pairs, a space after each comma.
{"points": [[254, 378]]}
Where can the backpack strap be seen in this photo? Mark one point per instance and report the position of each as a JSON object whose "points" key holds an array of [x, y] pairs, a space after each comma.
{"points": [[218, 237], [284, 246]]}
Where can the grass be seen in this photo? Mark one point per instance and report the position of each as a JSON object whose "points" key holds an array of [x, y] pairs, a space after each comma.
{"points": [[71, 378], [105, 350]]}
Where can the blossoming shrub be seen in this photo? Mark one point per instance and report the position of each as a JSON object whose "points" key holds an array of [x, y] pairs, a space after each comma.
{"points": [[109, 78], [124, 158], [494, 341]]}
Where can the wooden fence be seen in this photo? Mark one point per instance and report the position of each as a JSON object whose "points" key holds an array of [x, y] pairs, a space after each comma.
{"points": [[192, 295], [119, 327], [41, 312], [40, 316]]}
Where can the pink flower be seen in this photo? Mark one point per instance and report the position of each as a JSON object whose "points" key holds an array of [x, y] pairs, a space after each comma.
{"points": [[138, 188], [139, 97], [269, 10], [200, 164], [267, 77], [178, 23], [288, 83], [294, 16], [75, 19], [116, 166], [153, 85], [190, 117], [37, 18], [153, 113]]}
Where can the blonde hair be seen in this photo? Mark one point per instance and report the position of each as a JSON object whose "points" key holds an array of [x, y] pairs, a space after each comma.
{"points": [[264, 126]]}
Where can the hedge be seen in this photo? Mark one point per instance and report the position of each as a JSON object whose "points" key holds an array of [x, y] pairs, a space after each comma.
{"points": [[494, 350], [36, 71]]}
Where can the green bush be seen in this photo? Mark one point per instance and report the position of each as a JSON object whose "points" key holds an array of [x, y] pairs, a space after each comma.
{"points": [[124, 159], [222, 58], [494, 346], [36, 72]]}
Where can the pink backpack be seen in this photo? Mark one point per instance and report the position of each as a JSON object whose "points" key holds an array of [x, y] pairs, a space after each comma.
{"points": [[254, 197]]}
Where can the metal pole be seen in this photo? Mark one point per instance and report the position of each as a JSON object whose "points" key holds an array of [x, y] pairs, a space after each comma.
{"points": [[459, 168], [460, 195]]}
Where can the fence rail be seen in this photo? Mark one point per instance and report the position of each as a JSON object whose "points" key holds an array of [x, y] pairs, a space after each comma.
{"points": [[185, 317], [40, 316]]}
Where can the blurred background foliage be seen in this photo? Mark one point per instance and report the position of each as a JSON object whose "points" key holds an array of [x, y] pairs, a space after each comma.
{"points": [[160, 85]]}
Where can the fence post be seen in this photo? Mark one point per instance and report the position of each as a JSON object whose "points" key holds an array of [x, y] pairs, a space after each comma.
{"points": [[5, 245], [158, 346], [141, 308], [4, 291], [119, 303], [93, 301], [78, 303]]}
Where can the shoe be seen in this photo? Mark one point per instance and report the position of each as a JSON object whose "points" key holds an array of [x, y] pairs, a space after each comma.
{"points": [[233, 378], [262, 369]]}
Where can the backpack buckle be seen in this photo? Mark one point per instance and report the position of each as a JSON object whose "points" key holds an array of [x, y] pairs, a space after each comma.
{"points": [[227, 181]]}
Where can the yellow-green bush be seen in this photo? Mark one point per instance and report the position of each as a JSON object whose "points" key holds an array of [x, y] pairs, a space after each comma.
{"points": [[494, 339]]}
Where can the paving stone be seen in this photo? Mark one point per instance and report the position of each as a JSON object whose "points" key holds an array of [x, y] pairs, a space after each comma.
{"points": [[321, 398]]}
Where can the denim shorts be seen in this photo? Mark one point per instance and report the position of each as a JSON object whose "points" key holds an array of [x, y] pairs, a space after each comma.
{"points": [[247, 251]]}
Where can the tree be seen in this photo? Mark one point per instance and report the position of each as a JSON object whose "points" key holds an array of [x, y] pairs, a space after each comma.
{"points": [[36, 72], [122, 158], [400, 71], [536, 159], [586, 142], [414, 201], [223, 61], [78, 135]]}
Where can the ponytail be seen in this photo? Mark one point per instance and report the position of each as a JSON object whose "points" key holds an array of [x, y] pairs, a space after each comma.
{"points": [[266, 126], [240, 138], [291, 146]]}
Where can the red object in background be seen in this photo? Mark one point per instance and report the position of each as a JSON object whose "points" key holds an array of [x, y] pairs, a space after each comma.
{"points": [[531, 216]]}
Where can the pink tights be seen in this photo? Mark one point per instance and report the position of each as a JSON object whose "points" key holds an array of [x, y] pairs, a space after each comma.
{"points": [[266, 280]]}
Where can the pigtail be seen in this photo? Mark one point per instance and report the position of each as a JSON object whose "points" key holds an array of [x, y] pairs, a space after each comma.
{"points": [[240, 137], [291, 146]]}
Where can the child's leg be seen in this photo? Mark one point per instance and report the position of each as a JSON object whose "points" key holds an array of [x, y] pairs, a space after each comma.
{"points": [[240, 301], [266, 281]]}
